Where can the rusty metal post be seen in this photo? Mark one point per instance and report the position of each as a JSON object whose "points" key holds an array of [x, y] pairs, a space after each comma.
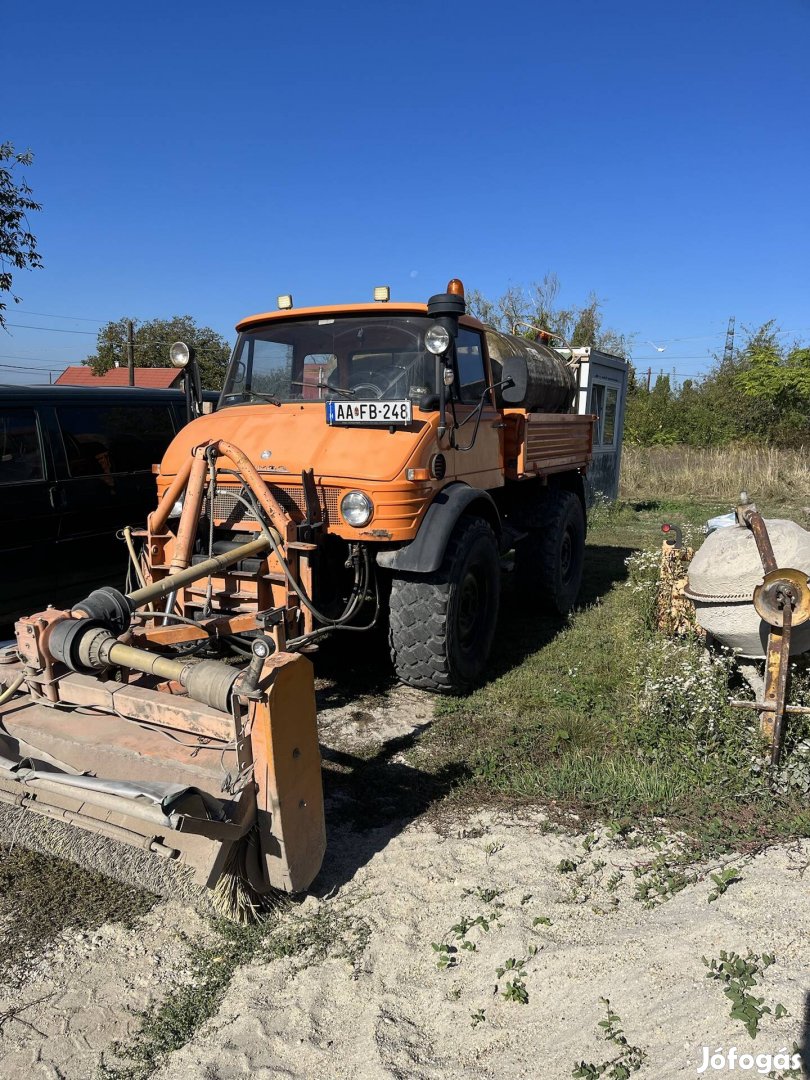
{"points": [[279, 517], [782, 601], [190, 517], [158, 518]]}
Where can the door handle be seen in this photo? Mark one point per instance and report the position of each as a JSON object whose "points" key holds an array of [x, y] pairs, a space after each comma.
{"points": [[57, 497]]}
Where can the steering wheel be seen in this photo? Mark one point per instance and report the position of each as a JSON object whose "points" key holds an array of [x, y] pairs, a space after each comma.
{"points": [[374, 382], [369, 388]]}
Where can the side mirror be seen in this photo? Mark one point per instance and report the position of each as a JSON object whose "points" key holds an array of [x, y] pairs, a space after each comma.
{"points": [[515, 380]]}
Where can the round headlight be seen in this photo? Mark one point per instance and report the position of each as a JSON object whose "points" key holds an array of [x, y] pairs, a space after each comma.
{"points": [[437, 339], [179, 354], [356, 508]]}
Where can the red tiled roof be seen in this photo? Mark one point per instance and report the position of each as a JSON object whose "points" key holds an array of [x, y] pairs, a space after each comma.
{"points": [[158, 378]]}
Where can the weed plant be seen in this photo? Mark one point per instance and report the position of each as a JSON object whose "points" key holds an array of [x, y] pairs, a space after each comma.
{"points": [[601, 716], [626, 1058], [333, 930], [738, 975], [688, 472]]}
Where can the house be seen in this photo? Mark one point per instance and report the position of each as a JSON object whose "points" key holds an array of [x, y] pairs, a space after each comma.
{"points": [[156, 378]]}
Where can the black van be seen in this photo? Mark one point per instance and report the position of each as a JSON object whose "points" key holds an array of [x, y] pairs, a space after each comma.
{"points": [[75, 466]]}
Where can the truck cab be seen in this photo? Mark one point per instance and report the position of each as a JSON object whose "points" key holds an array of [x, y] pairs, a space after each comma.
{"points": [[410, 446]]}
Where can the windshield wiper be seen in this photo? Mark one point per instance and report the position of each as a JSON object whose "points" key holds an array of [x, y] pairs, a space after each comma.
{"points": [[264, 397], [322, 386]]}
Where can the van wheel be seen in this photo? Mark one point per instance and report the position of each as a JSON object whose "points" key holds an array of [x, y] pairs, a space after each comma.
{"points": [[549, 562], [441, 625]]}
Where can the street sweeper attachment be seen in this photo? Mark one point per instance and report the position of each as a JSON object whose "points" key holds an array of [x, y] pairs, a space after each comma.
{"points": [[207, 766]]}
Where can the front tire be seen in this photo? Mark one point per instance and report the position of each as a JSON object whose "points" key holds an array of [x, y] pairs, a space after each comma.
{"points": [[442, 625]]}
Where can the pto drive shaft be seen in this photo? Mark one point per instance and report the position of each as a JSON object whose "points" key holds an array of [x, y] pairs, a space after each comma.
{"points": [[89, 644]]}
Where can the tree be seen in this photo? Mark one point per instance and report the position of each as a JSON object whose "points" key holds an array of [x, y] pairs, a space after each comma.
{"points": [[152, 341], [522, 307], [18, 245], [761, 394], [776, 380]]}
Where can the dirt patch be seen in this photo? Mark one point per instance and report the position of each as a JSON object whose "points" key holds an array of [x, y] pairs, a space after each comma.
{"points": [[394, 1012], [370, 977], [86, 990]]}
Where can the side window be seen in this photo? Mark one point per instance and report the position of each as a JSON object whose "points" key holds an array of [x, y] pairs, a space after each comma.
{"points": [[604, 402], [104, 439], [472, 381], [20, 449]]}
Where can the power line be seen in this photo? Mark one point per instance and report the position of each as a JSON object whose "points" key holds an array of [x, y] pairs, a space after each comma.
{"points": [[90, 333], [37, 371], [41, 360], [52, 329], [73, 318]]}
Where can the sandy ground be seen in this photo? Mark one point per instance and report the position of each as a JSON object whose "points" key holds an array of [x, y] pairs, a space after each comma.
{"points": [[378, 1005]]}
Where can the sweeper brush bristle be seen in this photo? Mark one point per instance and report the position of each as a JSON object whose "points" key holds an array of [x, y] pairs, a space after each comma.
{"points": [[129, 865], [233, 897]]}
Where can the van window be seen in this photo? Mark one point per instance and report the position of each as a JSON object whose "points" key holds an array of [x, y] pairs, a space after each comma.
{"points": [[103, 439], [20, 449]]}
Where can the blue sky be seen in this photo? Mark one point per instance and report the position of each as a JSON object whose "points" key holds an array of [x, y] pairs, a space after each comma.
{"points": [[193, 158]]}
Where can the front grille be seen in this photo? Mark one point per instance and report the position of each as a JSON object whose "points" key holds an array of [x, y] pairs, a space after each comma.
{"points": [[228, 512]]}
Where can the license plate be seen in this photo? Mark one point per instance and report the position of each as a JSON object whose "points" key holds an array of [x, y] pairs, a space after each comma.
{"points": [[368, 412]]}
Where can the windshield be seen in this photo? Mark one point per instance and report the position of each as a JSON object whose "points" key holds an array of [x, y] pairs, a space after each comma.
{"points": [[325, 359]]}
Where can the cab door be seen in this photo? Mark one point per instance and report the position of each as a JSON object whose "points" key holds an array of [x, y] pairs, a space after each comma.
{"points": [[28, 514], [479, 466]]}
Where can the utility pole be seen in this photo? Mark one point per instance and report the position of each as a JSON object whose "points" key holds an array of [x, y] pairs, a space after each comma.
{"points": [[131, 351], [649, 378], [728, 351]]}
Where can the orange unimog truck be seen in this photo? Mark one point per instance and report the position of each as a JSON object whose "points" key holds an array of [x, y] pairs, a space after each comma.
{"points": [[394, 451], [365, 462]]}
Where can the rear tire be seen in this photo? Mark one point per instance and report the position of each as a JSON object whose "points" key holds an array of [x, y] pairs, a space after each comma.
{"points": [[549, 562], [442, 625]]}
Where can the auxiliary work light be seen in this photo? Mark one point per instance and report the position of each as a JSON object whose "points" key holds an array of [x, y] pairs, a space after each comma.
{"points": [[179, 354], [437, 339]]}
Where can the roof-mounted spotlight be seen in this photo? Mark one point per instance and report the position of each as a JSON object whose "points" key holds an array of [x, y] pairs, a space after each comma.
{"points": [[285, 302], [382, 294]]}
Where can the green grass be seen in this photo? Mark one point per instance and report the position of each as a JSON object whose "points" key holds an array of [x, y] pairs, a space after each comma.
{"points": [[41, 895], [601, 716]]}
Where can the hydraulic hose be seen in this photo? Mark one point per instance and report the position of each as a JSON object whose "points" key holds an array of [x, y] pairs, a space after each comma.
{"points": [[353, 605], [355, 600], [294, 643], [11, 689], [126, 532]]}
